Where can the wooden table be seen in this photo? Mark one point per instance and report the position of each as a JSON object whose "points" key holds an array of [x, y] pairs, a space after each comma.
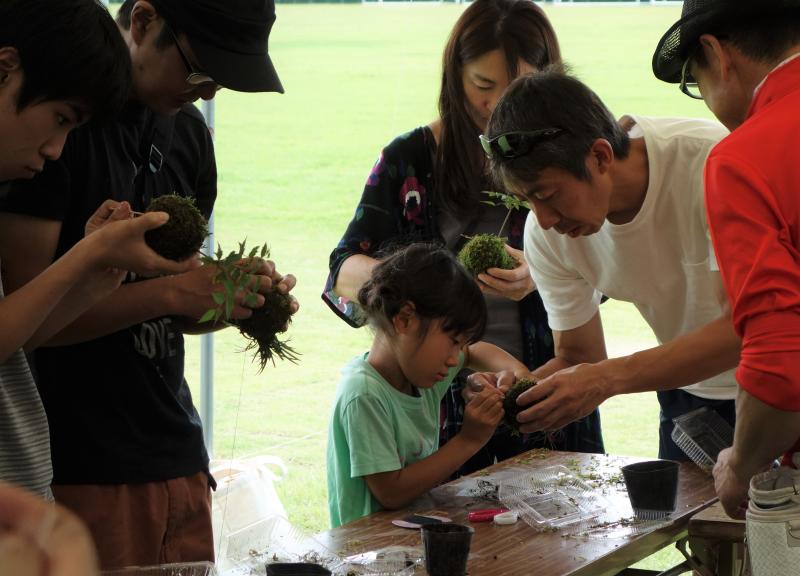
{"points": [[519, 549], [717, 540]]}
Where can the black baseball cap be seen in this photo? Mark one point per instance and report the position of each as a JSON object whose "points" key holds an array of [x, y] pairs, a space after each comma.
{"points": [[229, 38], [700, 17]]}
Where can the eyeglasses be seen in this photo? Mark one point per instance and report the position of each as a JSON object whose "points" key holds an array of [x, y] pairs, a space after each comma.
{"points": [[195, 78], [688, 83], [515, 144]]}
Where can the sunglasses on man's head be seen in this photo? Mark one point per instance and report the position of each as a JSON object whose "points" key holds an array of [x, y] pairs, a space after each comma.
{"points": [[515, 144]]}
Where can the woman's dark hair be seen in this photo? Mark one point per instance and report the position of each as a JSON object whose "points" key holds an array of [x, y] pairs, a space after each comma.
{"points": [[69, 50], [430, 278], [522, 31], [553, 99]]}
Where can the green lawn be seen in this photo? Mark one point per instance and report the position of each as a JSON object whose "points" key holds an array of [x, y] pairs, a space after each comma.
{"points": [[292, 167]]}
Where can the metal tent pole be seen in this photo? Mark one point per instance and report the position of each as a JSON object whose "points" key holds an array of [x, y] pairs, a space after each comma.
{"points": [[207, 340]]}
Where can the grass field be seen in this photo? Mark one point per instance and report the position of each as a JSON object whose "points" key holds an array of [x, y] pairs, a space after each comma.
{"points": [[292, 167]]}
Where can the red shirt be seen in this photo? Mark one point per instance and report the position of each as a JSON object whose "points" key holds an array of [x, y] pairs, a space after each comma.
{"points": [[753, 203]]}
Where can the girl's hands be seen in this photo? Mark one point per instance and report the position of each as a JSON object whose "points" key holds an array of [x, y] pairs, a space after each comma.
{"points": [[500, 382], [482, 415]]}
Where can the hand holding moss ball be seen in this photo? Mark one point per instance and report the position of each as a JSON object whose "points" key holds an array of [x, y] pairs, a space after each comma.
{"points": [[485, 251], [510, 405], [183, 235], [235, 273]]}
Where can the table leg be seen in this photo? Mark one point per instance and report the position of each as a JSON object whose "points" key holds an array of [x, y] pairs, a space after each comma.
{"points": [[721, 557]]}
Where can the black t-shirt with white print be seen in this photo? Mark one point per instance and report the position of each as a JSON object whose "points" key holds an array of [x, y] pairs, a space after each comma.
{"points": [[119, 408]]}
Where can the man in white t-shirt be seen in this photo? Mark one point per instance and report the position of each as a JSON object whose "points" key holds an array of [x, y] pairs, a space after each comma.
{"points": [[618, 212]]}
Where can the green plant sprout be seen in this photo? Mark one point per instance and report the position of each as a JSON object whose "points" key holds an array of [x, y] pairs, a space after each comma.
{"points": [[484, 251], [235, 273], [510, 201]]}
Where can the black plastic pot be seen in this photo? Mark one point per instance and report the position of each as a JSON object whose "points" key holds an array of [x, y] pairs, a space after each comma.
{"points": [[296, 569], [446, 548], [652, 487]]}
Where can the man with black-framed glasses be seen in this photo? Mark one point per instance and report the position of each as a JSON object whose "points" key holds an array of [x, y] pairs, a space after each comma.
{"points": [[745, 58], [195, 78], [128, 452], [616, 210], [688, 84]]}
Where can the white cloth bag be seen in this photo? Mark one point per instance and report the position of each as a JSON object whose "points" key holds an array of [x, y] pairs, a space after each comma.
{"points": [[773, 523]]}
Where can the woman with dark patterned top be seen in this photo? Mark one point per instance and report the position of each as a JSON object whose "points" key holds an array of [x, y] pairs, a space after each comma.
{"points": [[428, 185]]}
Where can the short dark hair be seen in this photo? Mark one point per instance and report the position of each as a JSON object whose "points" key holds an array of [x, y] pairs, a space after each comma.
{"points": [[430, 278], [553, 99], [164, 40], [763, 37], [69, 50], [522, 31]]}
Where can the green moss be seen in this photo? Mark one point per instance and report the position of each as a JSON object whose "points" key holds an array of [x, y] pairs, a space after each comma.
{"points": [[262, 329], [184, 233], [510, 405], [485, 251]]}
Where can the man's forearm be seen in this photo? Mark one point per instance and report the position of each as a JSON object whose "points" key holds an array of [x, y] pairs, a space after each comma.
{"points": [[691, 358], [75, 302], [584, 344], [128, 305], [485, 357], [762, 434], [550, 367]]}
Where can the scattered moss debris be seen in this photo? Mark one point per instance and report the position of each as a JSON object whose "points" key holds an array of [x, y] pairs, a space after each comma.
{"points": [[535, 454]]}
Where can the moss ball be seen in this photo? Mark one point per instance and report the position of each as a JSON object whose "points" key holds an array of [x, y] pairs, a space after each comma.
{"points": [[183, 235], [485, 251], [264, 325], [510, 405]]}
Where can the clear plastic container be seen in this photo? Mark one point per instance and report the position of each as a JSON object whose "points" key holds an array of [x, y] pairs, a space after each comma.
{"points": [[391, 561], [182, 569], [297, 569], [702, 434], [551, 498], [277, 542], [275, 534]]}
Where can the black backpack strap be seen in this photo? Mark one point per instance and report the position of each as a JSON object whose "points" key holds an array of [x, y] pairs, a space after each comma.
{"points": [[155, 146], [163, 128]]}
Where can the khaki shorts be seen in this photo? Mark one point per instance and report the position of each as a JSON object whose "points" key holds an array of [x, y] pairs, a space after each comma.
{"points": [[145, 524]]}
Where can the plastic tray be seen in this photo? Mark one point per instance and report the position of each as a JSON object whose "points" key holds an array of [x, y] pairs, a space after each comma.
{"points": [[551, 498], [297, 569], [183, 569], [391, 561], [702, 434]]}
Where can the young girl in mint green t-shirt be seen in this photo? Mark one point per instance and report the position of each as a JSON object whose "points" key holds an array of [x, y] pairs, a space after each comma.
{"points": [[428, 315]]}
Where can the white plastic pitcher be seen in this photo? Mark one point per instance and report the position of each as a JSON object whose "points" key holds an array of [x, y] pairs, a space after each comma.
{"points": [[245, 507]]}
